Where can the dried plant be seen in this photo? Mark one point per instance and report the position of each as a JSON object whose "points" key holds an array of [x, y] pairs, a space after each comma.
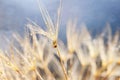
{"points": [[52, 30], [32, 57]]}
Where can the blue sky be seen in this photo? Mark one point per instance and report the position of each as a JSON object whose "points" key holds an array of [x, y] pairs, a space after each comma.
{"points": [[94, 13], [91, 12]]}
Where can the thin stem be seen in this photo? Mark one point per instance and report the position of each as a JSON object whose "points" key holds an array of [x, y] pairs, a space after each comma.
{"points": [[61, 63], [39, 75]]}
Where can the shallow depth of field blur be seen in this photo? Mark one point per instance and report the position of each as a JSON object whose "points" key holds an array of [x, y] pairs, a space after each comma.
{"points": [[53, 40]]}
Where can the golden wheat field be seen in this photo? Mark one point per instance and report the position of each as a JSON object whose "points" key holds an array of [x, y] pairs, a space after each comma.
{"points": [[42, 55]]}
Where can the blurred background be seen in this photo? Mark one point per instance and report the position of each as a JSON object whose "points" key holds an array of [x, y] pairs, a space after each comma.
{"points": [[94, 13]]}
